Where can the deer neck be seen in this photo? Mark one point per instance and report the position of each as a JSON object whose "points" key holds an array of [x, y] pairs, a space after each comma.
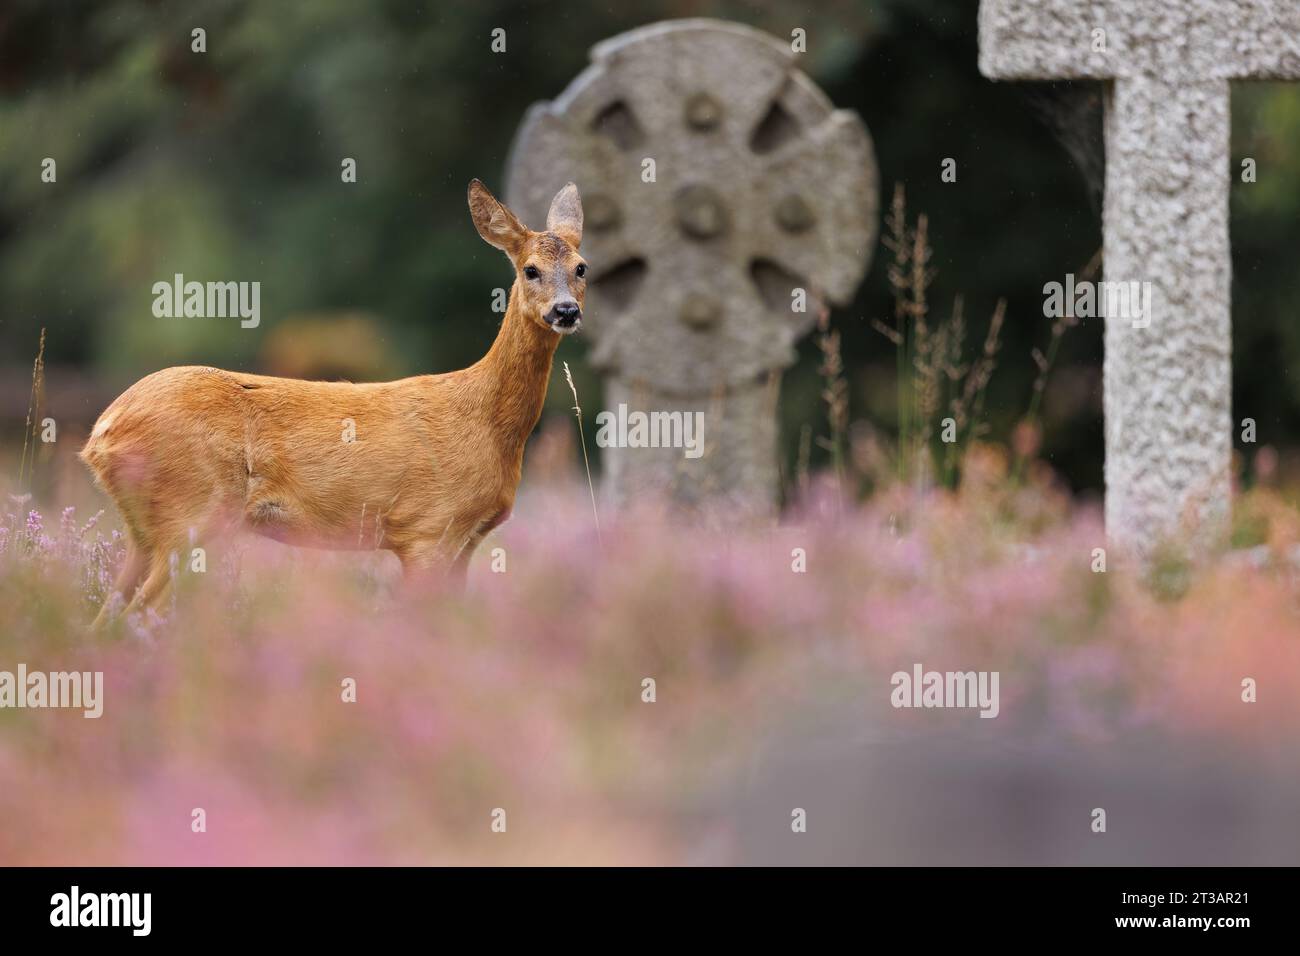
{"points": [[515, 373]]}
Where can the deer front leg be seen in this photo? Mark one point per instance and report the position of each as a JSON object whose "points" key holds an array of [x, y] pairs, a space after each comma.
{"points": [[460, 567], [441, 557]]}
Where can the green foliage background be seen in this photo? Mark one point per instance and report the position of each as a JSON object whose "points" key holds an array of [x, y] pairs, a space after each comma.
{"points": [[226, 165]]}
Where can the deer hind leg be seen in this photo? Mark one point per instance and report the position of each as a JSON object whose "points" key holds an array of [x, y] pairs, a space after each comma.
{"points": [[146, 573], [160, 543], [161, 500], [138, 550], [155, 583], [128, 579], [171, 553]]}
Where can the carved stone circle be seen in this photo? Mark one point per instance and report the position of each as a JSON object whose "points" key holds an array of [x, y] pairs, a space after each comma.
{"points": [[716, 180]]}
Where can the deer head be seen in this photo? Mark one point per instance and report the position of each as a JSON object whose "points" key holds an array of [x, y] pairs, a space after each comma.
{"points": [[550, 274]]}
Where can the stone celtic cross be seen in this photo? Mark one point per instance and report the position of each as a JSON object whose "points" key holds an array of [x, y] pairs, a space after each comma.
{"points": [[1168, 380], [726, 200]]}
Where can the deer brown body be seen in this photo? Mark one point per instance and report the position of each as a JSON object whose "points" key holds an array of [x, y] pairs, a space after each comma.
{"points": [[424, 466]]}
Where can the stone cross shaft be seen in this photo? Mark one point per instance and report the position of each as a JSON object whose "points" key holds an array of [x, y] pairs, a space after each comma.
{"points": [[1167, 379]]}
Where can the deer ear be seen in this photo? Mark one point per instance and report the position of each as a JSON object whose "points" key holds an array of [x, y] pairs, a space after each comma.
{"points": [[495, 223], [565, 217]]}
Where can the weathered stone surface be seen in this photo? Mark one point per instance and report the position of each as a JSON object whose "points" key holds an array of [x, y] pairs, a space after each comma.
{"points": [[740, 448], [1174, 39], [1167, 386], [760, 187]]}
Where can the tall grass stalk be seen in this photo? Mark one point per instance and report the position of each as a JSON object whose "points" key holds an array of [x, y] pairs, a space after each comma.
{"points": [[934, 377], [895, 240], [26, 469], [909, 277], [591, 488], [1045, 362], [835, 392]]}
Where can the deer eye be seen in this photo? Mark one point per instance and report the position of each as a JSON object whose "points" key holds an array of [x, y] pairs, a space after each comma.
{"points": [[581, 270], [530, 272]]}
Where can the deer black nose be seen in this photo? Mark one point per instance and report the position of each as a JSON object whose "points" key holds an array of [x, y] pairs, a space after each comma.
{"points": [[565, 314]]}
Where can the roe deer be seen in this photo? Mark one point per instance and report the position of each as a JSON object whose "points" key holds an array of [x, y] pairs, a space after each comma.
{"points": [[424, 466]]}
